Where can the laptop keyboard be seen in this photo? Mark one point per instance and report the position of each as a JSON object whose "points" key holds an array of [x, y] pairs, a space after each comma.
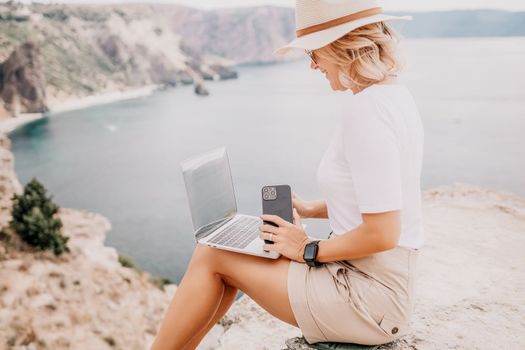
{"points": [[239, 234]]}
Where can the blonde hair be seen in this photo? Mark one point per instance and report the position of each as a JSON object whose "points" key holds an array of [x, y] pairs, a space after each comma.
{"points": [[365, 56]]}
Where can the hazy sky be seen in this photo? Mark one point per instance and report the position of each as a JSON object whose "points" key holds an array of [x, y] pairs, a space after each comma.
{"points": [[419, 5], [393, 5]]}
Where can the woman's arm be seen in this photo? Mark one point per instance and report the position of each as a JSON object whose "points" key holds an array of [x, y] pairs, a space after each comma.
{"points": [[310, 209], [317, 210], [378, 232]]}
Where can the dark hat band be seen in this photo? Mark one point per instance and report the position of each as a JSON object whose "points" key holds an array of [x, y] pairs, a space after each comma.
{"points": [[335, 22]]}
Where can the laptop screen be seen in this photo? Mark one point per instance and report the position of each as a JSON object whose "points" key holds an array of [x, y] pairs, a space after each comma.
{"points": [[209, 188]]}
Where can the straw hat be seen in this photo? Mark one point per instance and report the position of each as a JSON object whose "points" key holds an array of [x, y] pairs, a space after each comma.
{"points": [[319, 22]]}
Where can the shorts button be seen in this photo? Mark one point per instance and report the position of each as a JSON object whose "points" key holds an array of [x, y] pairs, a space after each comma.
{"points": [[394, 330]]}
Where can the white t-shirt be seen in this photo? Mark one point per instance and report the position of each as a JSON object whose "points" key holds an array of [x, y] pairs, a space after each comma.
{"points": [[373, 162]]}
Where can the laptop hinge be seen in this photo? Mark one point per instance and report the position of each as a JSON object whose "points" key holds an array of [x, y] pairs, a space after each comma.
{"points": [[208, 229]]}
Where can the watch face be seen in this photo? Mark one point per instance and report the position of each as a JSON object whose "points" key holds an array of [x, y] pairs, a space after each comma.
{"points": [[309, 251]]}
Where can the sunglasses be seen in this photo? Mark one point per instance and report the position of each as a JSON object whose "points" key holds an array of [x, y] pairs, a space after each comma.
{"points": [[310, 53]]}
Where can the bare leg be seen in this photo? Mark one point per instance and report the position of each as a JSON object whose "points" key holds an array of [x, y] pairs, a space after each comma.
{"points": [[227, 300], [200, 292], [192, 308]]}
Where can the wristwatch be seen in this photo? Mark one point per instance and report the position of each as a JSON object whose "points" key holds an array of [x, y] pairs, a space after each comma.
{"points": [[310, 254]]}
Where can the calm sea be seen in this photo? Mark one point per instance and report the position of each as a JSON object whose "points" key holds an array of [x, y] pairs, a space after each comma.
{"points": [[122, 159]]}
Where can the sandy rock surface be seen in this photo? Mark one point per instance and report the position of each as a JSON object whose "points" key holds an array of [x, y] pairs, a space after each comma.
{"points": [[82, 300]]}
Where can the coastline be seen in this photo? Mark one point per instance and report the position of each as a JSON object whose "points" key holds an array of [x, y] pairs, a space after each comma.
{"points": [[10, 124]]}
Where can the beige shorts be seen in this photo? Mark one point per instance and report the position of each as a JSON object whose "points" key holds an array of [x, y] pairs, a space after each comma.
{"points": [[365, 301]]}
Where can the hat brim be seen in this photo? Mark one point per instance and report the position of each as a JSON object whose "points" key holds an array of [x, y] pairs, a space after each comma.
{"points": [[324, 37]]}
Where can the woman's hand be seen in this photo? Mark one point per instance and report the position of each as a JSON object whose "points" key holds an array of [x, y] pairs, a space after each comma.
{"points": [[303, 207], [289, 239]]}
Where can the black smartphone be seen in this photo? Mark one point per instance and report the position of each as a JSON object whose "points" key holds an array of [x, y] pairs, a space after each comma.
{"points": [[277, 200]]}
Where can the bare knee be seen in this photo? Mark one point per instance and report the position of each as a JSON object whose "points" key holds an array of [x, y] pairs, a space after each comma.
{"points": [[201, 249], [203, 254], [212, 258]]}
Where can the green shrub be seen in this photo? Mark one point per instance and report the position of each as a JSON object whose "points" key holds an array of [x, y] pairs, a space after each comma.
{"points": [[160, 282], [58, 14], [126, 261], [34, 219]]}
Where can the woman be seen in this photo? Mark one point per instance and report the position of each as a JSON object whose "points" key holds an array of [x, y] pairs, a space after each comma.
{"points": [[359, 286]]}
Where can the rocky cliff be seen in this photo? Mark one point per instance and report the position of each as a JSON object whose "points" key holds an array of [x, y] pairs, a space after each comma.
{"points": [[22, 81], [244, 35], [86, 50], [9, 183]]}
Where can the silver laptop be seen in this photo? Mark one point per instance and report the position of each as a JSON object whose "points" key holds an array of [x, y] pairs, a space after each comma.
{"points": [[211, 197]]}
